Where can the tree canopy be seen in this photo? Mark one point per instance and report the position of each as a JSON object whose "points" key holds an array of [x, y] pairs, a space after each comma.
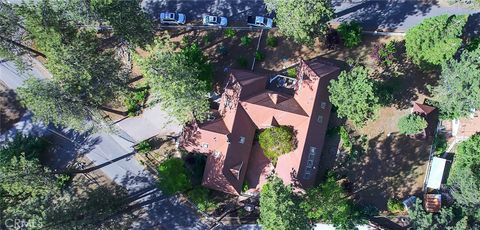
{"points": [[353, 94], [435, 40], [412, 124], [464, 179], [173, 176], [276, 141], [458, 91], [175, 82], [302, 20], [127, 19], [85, 76], [279, 207], [31, 192], [448, 218], [328, 203]]}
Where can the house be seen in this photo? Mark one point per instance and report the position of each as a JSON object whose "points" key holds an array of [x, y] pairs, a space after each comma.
{"points": [[252, 102]]}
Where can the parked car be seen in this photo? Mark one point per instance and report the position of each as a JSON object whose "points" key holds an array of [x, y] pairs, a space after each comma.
{"points": [[172, 18], [260, 21], [214, 21]]}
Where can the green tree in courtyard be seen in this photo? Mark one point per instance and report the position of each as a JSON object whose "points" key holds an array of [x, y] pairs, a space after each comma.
{"points": [[458, 91], [175, 82], [435, 40], [276, 141], [173, 176], [353, 93], [302, 20], [328, 203], [412, 124], [279, 207]]}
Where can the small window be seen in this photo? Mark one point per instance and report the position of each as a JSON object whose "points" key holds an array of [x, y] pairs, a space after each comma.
{"points": [[313, 149], [323, 105], [205, 145], [320, 119], [242, 140]]}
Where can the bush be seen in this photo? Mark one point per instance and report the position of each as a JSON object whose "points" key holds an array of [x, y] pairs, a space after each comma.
{"points": [[350, 33], [259, 56], [272, 41], [230, 33], [245, 40], [134, 102], [276, 141], [173, 176], [383, 54], [292, 72], [346, 142], [143, 147], [395, 205], [242, 62], [222, 50], [412, 124], [440, 144], [200, 196]]}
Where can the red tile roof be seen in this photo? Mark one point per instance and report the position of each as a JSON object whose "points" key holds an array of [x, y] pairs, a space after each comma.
{"points": [[247, 105], [422, 109]]}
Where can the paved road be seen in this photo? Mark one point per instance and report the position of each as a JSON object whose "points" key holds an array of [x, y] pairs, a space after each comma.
{"points": [[110, 153], [373, 15]]}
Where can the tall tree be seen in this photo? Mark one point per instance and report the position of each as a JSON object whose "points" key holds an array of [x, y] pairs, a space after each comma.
{"points": [[412, 124], [328, 203], [85, 77], [302, 20], [279, 207], [353, 94], [127, 19], [12, 36], [458, 92], [174, 82], [435, 40], [464, 178]]}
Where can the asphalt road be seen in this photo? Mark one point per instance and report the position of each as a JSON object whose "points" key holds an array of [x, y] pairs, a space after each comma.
{"points": [[110, 152], [384, 15]]}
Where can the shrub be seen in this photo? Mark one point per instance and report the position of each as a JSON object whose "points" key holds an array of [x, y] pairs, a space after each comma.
{"points": [[346, 142], [230, 33], [292, 72], [242, 62], [383, 54], [200, 196], [134, 102], [276, 141], [173, 176], [222, 50], [143, 147], [412, 124], [272, 41], [350, 33], [440, 144], [394, 205], [245, 40], [259, 56]]}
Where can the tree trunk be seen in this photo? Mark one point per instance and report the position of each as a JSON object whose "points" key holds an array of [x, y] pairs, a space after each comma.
{"points": [[23, 47]]}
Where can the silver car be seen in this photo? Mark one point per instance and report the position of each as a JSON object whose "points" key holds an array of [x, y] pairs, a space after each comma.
{"points": [[172, 18], [214, 21]]}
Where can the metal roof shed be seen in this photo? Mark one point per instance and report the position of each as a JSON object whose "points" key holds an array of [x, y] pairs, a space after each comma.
{"points": [[436, 173]]}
